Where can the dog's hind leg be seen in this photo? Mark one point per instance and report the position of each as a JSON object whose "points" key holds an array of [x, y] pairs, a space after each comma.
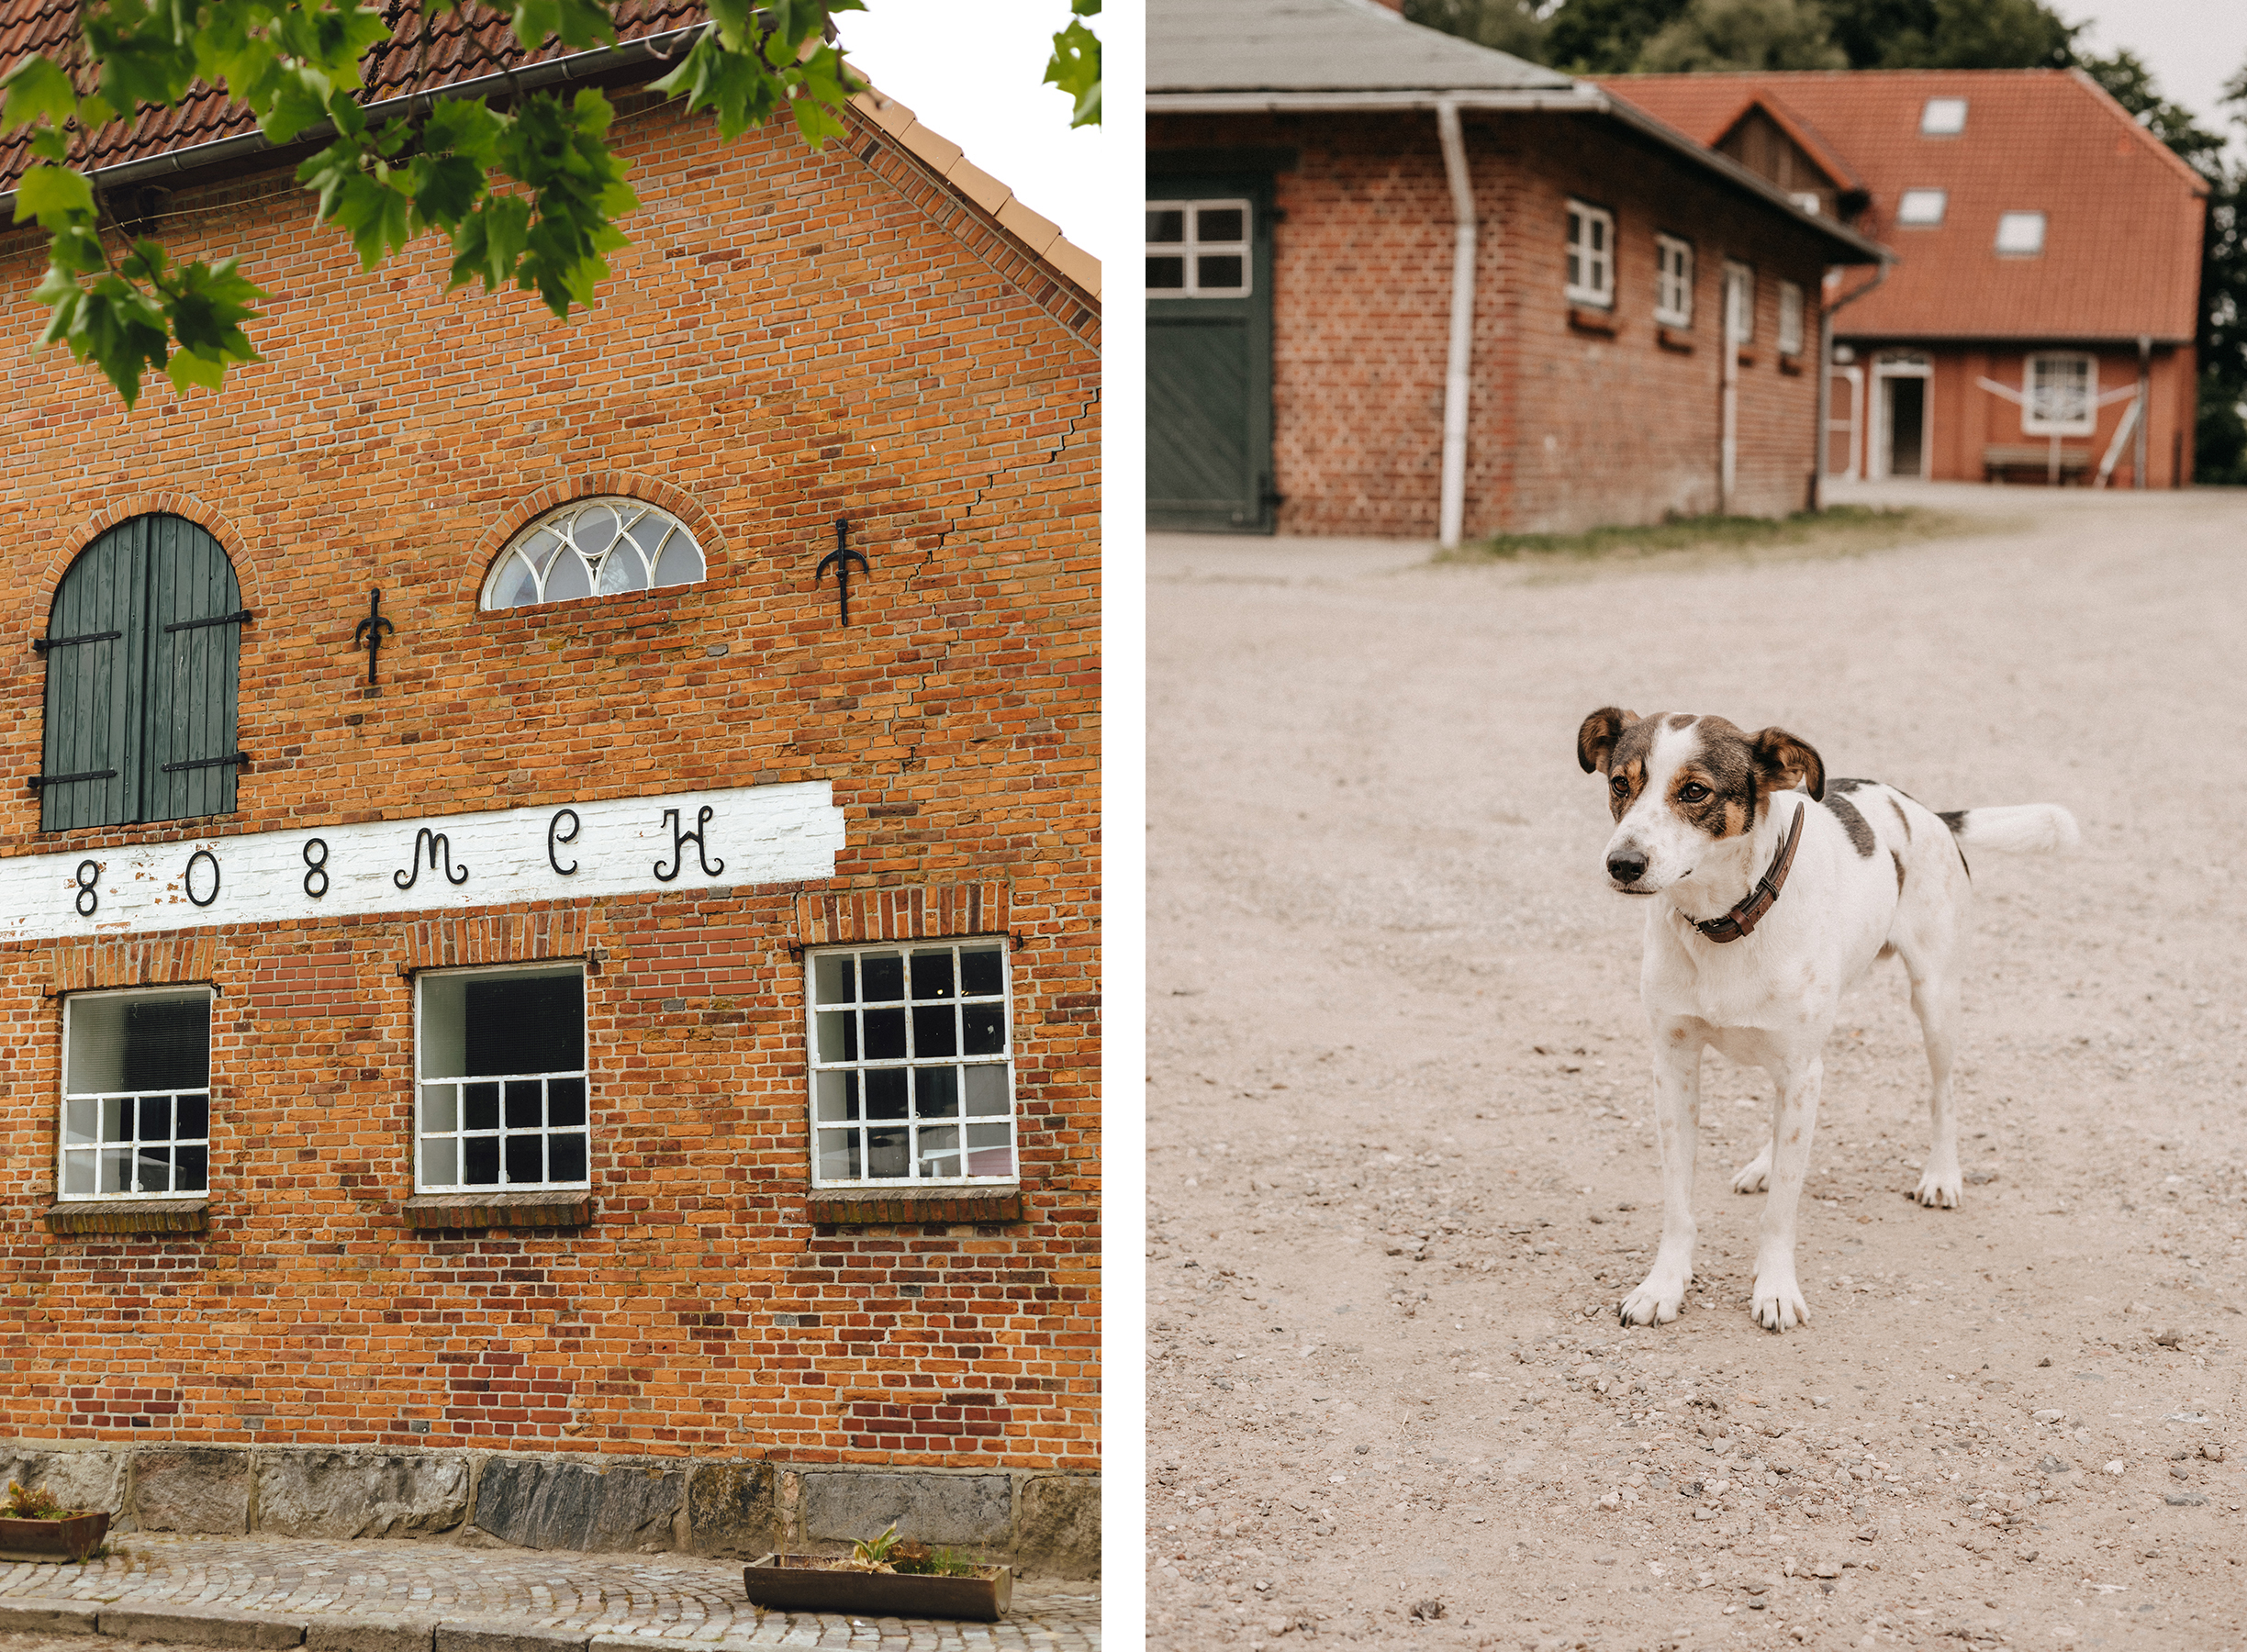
{"points": [[1754, 1176], [1935, 999], [1778, 1299], [1677, 1124]]}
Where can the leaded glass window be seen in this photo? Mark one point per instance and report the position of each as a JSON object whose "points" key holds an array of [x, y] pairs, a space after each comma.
{"points": [[136, 1093], [601, 547], [501, 1061], [912, 1078]]}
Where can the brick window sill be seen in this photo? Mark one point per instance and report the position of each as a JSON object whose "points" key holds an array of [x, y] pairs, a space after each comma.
{"points": [[867, 1207], [1674, 337], [129, 1216], [1585, 319], [571, 1208], [1791, 365], [1747, 358]]}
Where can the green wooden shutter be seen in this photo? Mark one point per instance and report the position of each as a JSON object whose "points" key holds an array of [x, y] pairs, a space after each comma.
{"points": [[95, 690], [150, 703], [190, 673]]}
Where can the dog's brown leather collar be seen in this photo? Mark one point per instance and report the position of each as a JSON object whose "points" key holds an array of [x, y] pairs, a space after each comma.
{"points": [[1742, 919]]}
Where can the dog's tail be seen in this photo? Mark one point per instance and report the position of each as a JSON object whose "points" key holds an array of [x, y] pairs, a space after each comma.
{"points": [[2021, 827]]}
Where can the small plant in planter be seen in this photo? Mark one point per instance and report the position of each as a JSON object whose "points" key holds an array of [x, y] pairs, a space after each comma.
{"points": [[36, 1526], [886, 1575]]}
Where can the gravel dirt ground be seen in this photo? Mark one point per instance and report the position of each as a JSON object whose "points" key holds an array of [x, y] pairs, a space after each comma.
{"points": [[1401, 1163]]}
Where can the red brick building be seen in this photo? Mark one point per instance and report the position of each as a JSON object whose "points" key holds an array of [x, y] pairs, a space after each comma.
{"points": [[2047, 244], [1402, 284], [617, 1065]]}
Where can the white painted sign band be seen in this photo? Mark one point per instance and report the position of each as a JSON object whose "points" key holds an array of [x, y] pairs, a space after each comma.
{"points": [[689, 842]]}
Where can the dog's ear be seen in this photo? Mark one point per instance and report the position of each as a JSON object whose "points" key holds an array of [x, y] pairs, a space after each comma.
{"points": [[1783, 763], [1596, 739]]}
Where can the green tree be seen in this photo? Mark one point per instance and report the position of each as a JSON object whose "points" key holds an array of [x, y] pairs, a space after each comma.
{"points": [[1951, 34], [526, 189], [1604, 36], [1743, 35], [1508, 26], [2219, 445]]}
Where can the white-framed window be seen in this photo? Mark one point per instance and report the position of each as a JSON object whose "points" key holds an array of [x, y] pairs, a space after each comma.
{"points": [[1942, 116], [1807, 199], [1673, 281], [2062, 394], [2020, 234], [1199, 248], [1739, 301], [1922, 209], [1790, 320], [501, 1097], [912, 1064], [136, 1093], [598, 547], [1591, 255]]}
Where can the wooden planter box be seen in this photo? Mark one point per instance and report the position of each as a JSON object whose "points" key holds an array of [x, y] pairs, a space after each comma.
{"points": [[71, 1538], [808, 1584]]}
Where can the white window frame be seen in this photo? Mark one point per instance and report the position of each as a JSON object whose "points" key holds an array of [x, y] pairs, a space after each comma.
{"points": [[1194, 248], [1673, 281], [1790, 319], [549, 548], [1589, 223], [2033, 423], [1740, 300], [460, 1130], [1997, 244], [65, 1149], [815, 1065], [1937, 119], [1932, 207]]}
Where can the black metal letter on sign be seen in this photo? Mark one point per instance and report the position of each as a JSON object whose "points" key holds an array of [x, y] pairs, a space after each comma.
{"points": [[435, 841], [553, 837], [88, 875], [318, 868], [680, 839], [201, 855]]}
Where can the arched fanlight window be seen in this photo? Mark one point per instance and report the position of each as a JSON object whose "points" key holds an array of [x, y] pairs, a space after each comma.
{"points": [[593, 548]]}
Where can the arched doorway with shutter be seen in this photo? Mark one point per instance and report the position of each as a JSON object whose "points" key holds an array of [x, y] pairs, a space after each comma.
{"points": [[142, 647]]}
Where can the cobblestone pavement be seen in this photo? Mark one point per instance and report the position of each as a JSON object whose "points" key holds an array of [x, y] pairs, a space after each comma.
{"points": [[663, 1598]]}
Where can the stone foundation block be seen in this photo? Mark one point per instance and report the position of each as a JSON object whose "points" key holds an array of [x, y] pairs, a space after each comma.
{"points": [[541, 1502], [973, 1511], [1058, 1533], [84, 1480], [192, 1488], [359, 1493], [731, 1510]]}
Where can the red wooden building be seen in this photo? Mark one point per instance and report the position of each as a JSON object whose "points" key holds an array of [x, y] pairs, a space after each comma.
{"points": [[2039, 323]]}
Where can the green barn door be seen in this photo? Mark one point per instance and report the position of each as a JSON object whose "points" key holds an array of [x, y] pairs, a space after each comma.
{"points": [[141, 651], [1209, 342]]}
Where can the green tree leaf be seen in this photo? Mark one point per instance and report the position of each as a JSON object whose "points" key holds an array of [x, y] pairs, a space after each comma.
{"points": [[54, 195], [37, 90], [1075, 66]]}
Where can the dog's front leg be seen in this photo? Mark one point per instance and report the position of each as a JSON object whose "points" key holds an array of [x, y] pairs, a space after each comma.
{"points": [[1778, 1301], [1677, 1124]]}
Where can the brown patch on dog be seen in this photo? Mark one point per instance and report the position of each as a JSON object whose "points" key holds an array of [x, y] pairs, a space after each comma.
{"points": [[1902, 820], [1786, 761], [1899, 866], [1595, 740], [1682, 719], [1723, 762]]}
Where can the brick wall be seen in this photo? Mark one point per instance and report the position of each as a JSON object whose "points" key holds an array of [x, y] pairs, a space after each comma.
{"points": [[1569, 428], [790, 338]]}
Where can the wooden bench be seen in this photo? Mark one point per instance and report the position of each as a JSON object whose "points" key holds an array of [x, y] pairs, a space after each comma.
{"points": [[1999, 459]]}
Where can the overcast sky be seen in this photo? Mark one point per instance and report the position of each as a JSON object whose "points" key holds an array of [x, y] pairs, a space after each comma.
{"points": [[2192, 45], [973, 70]]}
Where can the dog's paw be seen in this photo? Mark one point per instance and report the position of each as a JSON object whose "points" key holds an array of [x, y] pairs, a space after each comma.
{"points": [[1779, 1304], [1656, 1301], [1754, 1176], [1938, 1189]]}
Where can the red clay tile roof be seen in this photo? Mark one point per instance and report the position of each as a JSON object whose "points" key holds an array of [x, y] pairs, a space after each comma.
{"points": [[457, 50], [2122, 214]]}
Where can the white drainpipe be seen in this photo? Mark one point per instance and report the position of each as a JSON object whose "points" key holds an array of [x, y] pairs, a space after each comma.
{"points": [[1727, 465], [1452, 509], [1824, 387]]}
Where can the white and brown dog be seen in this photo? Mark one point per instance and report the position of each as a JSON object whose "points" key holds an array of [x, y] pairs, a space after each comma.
{"points": [[1719, 825]]}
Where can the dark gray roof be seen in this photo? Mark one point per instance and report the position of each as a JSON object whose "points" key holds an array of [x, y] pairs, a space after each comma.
{"points": [[1319, 46]]}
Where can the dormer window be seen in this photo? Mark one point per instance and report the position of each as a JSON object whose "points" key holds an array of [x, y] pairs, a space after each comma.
{"points": [[2020, 235], [1942, 118], [1922, 209]]}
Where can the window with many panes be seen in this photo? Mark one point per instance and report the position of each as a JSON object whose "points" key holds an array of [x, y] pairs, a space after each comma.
{"points": [[1673, 281], [2063, 398], [599, 547], [136, 1093], [912, 1076], [1198, 249], [1739, 301], [1790, 319], [1591, 255], [500, 1097]]}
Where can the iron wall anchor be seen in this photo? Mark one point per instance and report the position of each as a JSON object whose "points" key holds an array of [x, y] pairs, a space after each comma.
{"points": [[370, 632], [839, 560]]}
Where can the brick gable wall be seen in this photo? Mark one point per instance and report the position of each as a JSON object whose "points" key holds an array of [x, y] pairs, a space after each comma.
{"points": [[791, 337]]}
